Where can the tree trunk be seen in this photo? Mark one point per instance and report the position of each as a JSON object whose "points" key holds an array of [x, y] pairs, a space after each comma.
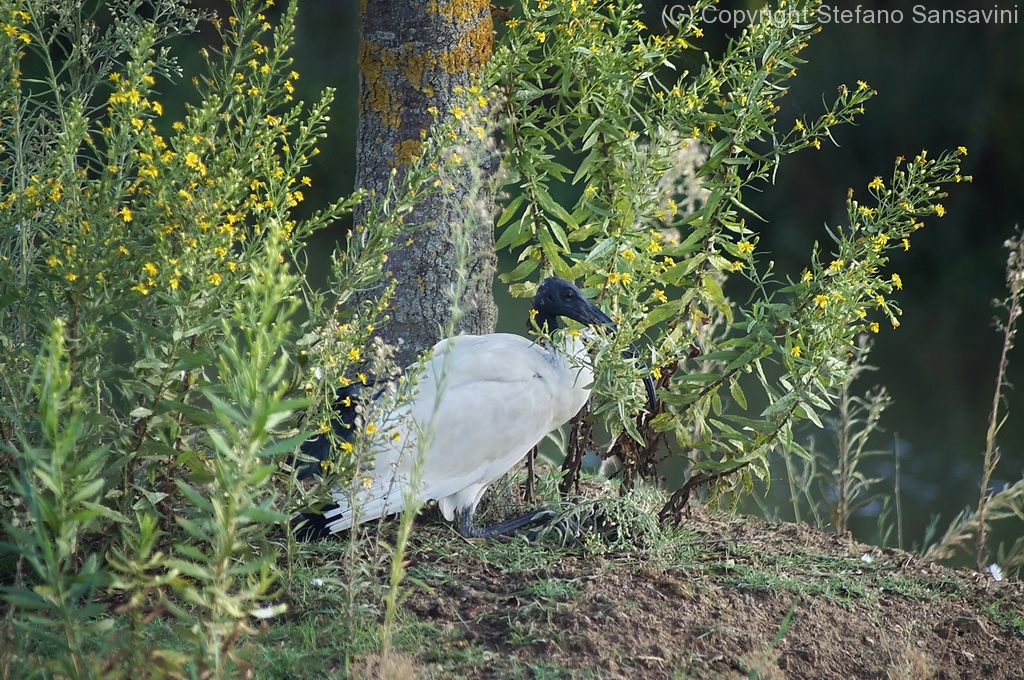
{"points": [[413, 55]]}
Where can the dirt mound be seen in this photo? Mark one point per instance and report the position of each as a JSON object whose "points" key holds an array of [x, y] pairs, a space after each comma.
{"points": [[738, 598]]}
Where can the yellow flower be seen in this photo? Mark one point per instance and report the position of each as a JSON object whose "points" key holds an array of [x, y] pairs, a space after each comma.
{"points": [[895, 322], [939, 209], [873, 326], [876, 184], [861, 85], [799, 125], [745, 247], [962, 150], [540, 35], [906, 243], [141, 288], [807, 276], [626, 278], [174, 283], [371, 429], [52, 261], [126, 214], [214, 278], [613, 277], [150, 268], [659, 295], [897, 281], [512, 23], [458, 112], [795, 350], [821, 300], [835, 265], [353, 354], [628, 254], [346, 447], [71, 276], [816, 143]]}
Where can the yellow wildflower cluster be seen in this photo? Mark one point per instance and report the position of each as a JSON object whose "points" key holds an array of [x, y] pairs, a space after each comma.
{"points": [[19, 19]]}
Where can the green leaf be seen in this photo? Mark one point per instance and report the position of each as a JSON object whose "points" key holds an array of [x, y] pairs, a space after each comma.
{"points": [[509, 212], [512, 234], [755, 351], [525, 268], [660, 313], [737, 394], [805, 411], [549, 205], [604, 246]]}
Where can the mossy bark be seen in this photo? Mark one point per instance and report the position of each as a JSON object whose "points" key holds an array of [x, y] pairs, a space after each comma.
{"points": [[414, 55]]}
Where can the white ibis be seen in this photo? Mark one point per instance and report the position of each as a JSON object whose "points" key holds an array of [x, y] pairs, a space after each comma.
{"points": [[480, 403]]}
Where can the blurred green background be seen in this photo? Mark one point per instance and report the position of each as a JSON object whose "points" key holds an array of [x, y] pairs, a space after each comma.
{"points": [[940, 86]]}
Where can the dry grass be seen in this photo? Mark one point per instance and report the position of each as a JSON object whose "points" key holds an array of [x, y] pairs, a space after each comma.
{"points": [[390, 666]]}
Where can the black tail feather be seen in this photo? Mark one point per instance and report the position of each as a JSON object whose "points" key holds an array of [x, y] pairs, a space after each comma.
{"points": [[310, 526]]}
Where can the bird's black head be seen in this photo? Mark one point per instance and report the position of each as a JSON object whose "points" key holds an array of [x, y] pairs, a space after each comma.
{"points": [[557, 297]]}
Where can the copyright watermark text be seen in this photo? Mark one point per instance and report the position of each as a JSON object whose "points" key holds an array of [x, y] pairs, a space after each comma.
{"points": [[675, 15]]}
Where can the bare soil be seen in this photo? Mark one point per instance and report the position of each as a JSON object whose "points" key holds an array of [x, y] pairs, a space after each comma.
{"points": [[751, 600]]}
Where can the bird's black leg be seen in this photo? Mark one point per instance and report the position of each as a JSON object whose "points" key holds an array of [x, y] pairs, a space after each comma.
{"points": [[466, 527], [531, 474]]}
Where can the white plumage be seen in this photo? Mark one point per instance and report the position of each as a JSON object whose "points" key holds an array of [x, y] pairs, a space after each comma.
{"points": [[481, 403], [477, 407]]}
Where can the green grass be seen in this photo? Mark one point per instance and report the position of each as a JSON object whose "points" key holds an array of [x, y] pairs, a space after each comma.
{"points": [[1007, 616]]}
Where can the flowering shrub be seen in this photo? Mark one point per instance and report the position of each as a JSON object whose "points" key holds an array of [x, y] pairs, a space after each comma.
{"points": [[149, 350], [657, 157]]}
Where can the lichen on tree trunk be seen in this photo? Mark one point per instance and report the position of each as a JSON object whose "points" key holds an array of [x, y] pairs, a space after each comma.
{"points": [[416, 55]]}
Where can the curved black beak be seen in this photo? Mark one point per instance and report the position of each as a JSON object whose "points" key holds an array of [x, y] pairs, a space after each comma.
{"points": [[558, 297], [588, 313], [591, 315]]}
